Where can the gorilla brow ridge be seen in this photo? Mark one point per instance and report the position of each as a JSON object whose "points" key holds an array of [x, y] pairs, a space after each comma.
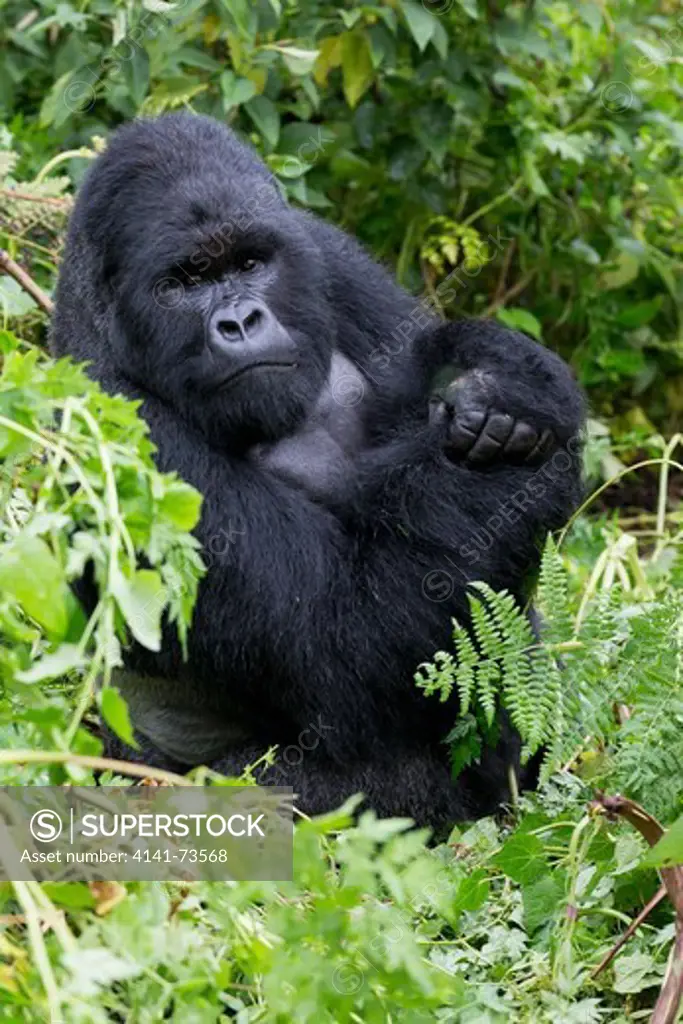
{"points": [[238, 224]]}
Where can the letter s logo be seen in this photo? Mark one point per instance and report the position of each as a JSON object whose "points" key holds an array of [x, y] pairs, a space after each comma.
{"points": [[45, 826]]}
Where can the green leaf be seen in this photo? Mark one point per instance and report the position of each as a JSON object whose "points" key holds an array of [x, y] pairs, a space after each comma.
{"points": [[136, 74], [635, 973], [657, 55], [668, 852], [472, 892], [287, 166], [141, 600], [626, 270], [465, 743], [470, 7], [440, 40], [74, 895], [639, 313], [665, 268], [181, 505], [585, 252], [159, 6], [51, 666], [70, 93], [244, 17], [521, 320], [569, 147], [591, 15], [235, 90], [350, 18], [115, 713], [627, 853], [504, 77], [298, 61], [357, 69], [541, 900], [329, 57], [14, 301], [421, 22], [8, 342], [31, 574], [522, 859], [266, 117]]}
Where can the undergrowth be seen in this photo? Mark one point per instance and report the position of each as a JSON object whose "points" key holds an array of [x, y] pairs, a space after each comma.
{"points": [[506, 921]]}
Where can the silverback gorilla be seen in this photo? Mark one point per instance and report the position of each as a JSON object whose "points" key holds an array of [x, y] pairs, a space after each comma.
{"points": [[346, 504]]}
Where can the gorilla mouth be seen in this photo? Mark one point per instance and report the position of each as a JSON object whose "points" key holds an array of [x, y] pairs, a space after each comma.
{"points": [[263, 364]]}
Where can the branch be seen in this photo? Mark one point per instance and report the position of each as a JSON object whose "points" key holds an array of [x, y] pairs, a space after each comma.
{"points": [[26, 197], [666, 1010], [633, 927], [26, 282], [504, 270], [101, 764], [511, 293]]}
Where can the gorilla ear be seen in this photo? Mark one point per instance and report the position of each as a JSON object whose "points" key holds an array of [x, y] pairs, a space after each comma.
{"points": [[99, 260]]}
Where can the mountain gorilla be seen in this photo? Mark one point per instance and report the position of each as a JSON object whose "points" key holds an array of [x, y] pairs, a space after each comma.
{"points": [[350, 504]]}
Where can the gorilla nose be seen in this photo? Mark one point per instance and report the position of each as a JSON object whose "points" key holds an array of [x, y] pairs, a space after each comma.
{"points": [[241, 324]]}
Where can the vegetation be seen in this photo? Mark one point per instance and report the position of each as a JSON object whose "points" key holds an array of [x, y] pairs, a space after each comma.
{"points": [[521, 160]]}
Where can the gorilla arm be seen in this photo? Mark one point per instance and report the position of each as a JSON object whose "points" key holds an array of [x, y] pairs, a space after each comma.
{"points": [[507, 404], [487, 369], [509, 424], [499, 397]]}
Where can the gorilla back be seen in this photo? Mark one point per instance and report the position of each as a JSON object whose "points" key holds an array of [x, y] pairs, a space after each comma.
{"points": [[188, 283]]}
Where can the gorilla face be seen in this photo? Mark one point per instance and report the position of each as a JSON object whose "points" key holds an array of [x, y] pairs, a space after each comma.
{"points": [[230, 339], [220, 307]]}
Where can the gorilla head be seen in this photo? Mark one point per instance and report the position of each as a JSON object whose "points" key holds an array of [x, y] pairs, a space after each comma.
{"points": [[216, 295]]}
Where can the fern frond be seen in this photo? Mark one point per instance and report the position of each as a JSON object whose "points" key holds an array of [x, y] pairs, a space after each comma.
{"points": [[437, 676], [552, 592], [617, 660], [465, 673]]}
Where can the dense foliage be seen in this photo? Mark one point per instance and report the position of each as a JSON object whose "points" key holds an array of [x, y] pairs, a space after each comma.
{"points": [[516, 157], [505, 921], [521, 160]]}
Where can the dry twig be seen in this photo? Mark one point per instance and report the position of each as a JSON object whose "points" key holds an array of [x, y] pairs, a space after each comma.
{"points": [[11, 193], [632, 928], [511, 293], [8, 265]]}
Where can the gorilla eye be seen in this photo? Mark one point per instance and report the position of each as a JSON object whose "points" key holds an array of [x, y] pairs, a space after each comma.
{"points": [[247, 264]]}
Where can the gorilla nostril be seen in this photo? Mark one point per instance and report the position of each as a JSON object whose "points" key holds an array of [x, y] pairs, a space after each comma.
{"points": [[253, 319], [229, 329]]}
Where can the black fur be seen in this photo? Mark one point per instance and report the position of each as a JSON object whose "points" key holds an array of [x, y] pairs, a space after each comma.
{"points": [[315, 612]]}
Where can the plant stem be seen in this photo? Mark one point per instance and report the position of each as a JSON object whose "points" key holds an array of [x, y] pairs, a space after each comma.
{"points": [[40, 954], [60, 158], [103, 764], [487, 207]]}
